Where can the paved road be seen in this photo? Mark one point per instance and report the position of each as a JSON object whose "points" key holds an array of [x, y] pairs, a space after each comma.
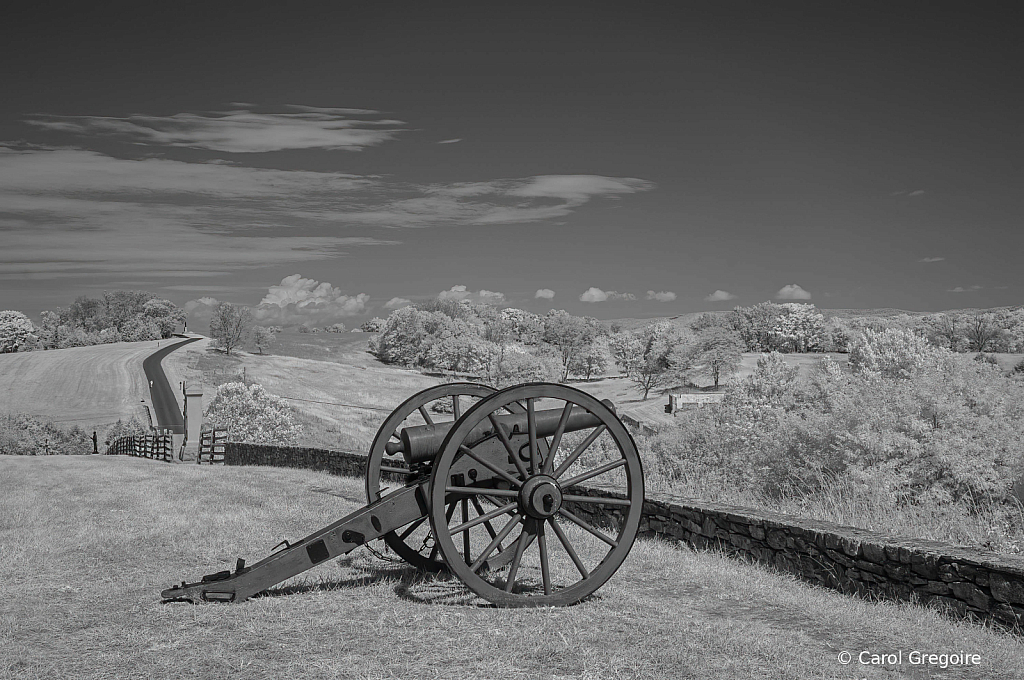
{"points": [[165, 407]]}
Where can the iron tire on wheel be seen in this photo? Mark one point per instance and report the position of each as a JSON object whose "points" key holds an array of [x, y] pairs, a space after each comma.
{"points": [[376, 464], [528, 520]]}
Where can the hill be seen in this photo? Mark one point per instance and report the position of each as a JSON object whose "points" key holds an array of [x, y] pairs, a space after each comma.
{"points": [[87, 386]]}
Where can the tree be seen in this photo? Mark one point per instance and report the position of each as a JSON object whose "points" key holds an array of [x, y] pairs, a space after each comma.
{"points": [[251, 414], [374, 325], [262, 338], [643, 355], [981, 330], [593, 360], [135, 329], [15, 331], [335, 328], [892, 353], [570, 334], [229, 325], [800, 328], [756, 325], [717, 353], [165, 314]]}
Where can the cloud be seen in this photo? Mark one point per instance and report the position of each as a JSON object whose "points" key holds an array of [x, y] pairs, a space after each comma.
{"points": [[597, 295], [722, 296], [793, 292], [663, 296], [240, 130], [919, 192], [450, 141], [487, 297], [300, 300], [931, 259], [545, 293], [396, 302], [961, 289]]}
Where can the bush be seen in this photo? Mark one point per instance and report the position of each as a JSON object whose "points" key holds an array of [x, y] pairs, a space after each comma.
{"points": [[251, 414], [132, 427], [25, 435]]}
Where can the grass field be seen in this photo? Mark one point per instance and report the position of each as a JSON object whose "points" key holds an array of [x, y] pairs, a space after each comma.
{"points": [[87, 543], [87, 386]]}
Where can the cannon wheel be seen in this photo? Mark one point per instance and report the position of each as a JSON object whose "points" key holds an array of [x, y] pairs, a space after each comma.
{"points": [[559, 558], [416, 548]]}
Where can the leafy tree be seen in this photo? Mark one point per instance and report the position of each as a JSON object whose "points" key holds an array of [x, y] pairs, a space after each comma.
{"points": [[643, 355], [374, 325], [570, 334], [947, 330], [262, 338], [756, 325], [460, 352], [336, 328], [229, 325], [165, 314], [891, 353], [251, 414], [15, 331], [800, 328], [521, 367], [400, 338], [526, 327], [455, 309], [593, 360], [135, 329], [717, 353]]}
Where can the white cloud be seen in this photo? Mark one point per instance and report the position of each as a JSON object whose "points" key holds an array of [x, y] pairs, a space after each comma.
{"points": [[237, 131], [919, 192], [300, 300], [931, 259], [721, 296], [487, 297], [396, 302], [961, 289], [545, 293], [597, 295], [450, 141], [661, 296], [793, 292]]}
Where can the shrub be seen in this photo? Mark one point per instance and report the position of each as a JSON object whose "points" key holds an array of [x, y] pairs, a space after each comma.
{"points": [[25, 435], [251, 414], [132, 427], [891, 353]]}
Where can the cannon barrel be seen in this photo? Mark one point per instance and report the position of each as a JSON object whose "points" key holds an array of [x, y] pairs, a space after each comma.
{"points": [[421, 443]]}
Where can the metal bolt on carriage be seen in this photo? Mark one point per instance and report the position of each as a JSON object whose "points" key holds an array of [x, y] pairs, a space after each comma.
{"points": [[483, 484]]}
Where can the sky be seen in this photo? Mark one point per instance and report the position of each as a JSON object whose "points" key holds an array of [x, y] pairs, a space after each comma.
{"points": [[327, 162]]}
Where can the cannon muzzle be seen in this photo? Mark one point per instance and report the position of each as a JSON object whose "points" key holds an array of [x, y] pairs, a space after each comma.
{"points": [[421, 443]]}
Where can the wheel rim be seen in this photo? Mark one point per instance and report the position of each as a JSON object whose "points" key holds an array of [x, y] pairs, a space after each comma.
{"points": [[554, 556]]}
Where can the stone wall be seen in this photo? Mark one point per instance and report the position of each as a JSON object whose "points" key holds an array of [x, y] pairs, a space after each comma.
{"points": [[969, 583]]}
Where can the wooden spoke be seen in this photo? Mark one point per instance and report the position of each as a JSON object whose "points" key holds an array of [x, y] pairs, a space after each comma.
{"points": [[426, 416], [556, 439], [500, 431], [531, 426], [595, 472], [564, 540], [496, 541], [490, 466], [597, 499], [479, 511], [484, 517], [565, 513], [542, 545], [524, 540], [474, 490], [567, 463], [412, 527], [456, 406], [465, 535]]}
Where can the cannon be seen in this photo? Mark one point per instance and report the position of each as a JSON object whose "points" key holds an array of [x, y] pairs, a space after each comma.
{"points": [[483, 484]]}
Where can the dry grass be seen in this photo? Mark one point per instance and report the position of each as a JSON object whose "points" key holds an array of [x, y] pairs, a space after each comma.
{"points": [[86, 544], [88, 386]]}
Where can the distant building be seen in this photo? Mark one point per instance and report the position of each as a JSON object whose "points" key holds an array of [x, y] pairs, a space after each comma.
{"points": [[692, 400]]}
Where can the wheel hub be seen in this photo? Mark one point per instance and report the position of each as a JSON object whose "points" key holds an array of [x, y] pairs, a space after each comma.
{"points": [[540, 497]]}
